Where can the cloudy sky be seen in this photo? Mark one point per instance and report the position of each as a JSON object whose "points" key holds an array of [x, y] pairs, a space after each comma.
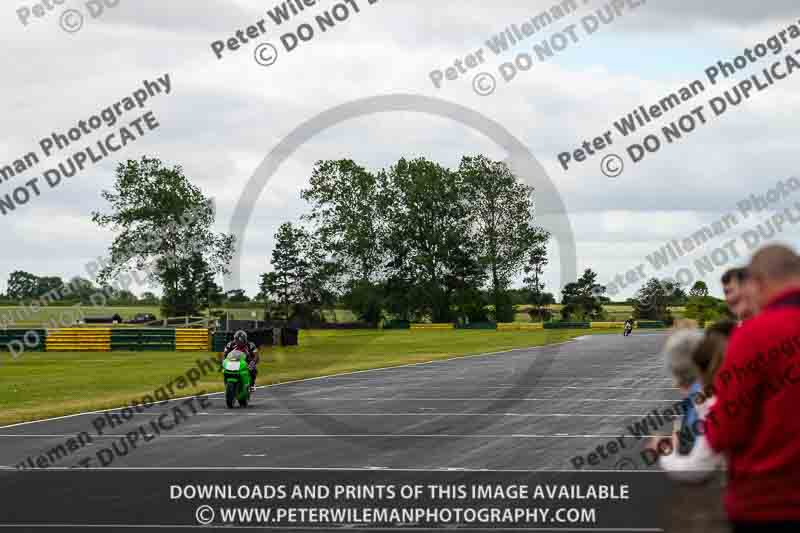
{"points": [[224, 116]]}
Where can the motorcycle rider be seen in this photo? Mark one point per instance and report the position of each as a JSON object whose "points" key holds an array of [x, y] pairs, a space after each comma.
{"points": [[628, 326], [240, 343]]}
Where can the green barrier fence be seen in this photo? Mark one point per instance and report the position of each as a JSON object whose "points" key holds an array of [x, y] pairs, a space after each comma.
{"points": [[397, 324], [650, 324], [477, 325], [30, 339]]}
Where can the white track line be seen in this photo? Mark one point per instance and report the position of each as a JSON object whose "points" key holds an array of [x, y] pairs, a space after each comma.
{"points": [[543, 415], [331, 469], [496, 398], [347, 436]]}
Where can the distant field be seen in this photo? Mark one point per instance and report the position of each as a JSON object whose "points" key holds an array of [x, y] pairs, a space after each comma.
{"points": [[45, 384]]}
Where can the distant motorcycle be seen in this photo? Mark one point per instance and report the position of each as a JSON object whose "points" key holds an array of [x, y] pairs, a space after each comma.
{"points": [[628, 329]]}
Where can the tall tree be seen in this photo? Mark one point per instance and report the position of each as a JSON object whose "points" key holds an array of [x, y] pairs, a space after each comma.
{"points": [[164, 227], [428, 227], [22, 285], [652, 300], [347, 210], [583, 298], [501, 209], [699, 289], [46, 284], [300, 273], [534, 269]]}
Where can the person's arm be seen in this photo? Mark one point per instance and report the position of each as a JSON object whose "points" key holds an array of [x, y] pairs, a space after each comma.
{"points": [[254, 349], [732, 420]]}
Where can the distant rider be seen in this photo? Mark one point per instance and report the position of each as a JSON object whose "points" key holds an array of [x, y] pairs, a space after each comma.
{"points": [[628, 326], [240, 343]]}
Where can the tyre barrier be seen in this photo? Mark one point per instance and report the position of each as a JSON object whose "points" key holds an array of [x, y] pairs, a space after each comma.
{"points": [[192, 339], [567, 325], [79, 340], [608, 325], [519, 326], [439, 327]]}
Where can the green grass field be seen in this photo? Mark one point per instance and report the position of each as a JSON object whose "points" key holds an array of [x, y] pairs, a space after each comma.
{"points": [[44, 384]]}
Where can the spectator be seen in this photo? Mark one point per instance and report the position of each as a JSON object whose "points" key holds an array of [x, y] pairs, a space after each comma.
{"points": [[678, 353], [736, 285], [754, 421], [701, 462]]}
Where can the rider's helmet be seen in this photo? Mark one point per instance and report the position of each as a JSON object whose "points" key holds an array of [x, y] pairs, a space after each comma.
{"points": [[240, 337]]}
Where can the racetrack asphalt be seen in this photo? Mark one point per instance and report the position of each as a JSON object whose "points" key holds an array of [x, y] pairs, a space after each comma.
{"points": [[526, 409]]}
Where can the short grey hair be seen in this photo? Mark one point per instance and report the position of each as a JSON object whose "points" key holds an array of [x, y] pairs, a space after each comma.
{"points": [[678, 354]]}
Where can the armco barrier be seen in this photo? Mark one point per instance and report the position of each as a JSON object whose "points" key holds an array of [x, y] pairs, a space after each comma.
{"points": [[433, 326], [79, 340], [519, 326], [397, 324], [192, 340], [18, 340], [608, 325], [145, 339], [650, 324]]}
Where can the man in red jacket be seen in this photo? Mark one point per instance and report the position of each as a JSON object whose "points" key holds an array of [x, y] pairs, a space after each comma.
{"points": [[755, 421]]}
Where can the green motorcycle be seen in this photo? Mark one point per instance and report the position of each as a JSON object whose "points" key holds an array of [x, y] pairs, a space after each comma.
{"points": [[237, 379]]}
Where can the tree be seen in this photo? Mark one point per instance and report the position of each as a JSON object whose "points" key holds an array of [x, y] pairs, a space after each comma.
{"points": [[211, 294], [501, 211], [22, 285], [80, 289], [163, 224], [346, 207], [704, 309], [583, 298], [236, 296], [125, 297], [698, 289], [148, 298], [652, 300], [289, 268], [534, 269], [300, 274], [427, 241], [47, 284]]}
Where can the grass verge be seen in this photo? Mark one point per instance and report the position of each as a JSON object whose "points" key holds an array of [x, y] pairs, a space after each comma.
{"points": [[45, 384]]}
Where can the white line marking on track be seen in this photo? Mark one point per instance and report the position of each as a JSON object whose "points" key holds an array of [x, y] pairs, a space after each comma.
{"points": [[543, 415], [356, 435], [636, 400], [328, 469]]}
